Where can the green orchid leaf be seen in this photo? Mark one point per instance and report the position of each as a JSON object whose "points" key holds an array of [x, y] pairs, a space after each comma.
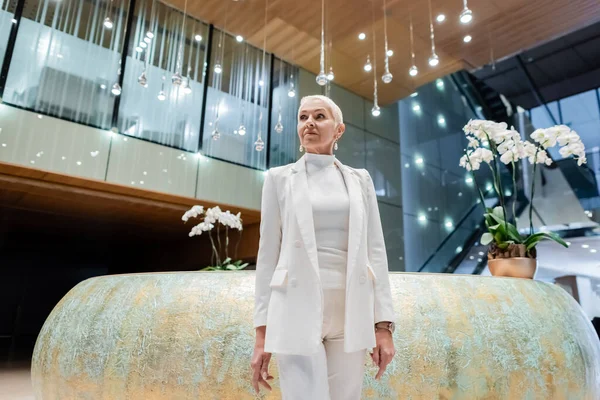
{"points": [[227, 261], [231, 267], [208, 269], [242, 266], [499, 213]]}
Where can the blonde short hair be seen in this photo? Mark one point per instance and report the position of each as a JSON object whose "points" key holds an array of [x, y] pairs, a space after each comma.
{"points": [[335, 109]]}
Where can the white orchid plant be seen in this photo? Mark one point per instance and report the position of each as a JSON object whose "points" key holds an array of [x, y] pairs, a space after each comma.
{"points": [[214, 216], [491, 143]]}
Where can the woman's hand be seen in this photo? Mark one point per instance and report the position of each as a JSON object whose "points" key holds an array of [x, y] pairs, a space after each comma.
{"points": [[384, 350], [260, 362]]}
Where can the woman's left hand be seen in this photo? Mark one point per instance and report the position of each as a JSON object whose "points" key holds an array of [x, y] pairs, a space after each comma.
{"points": [[384, 350]]}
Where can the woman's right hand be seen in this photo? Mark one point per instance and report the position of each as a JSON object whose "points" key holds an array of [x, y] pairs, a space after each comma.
{"points": [[260, 362]]}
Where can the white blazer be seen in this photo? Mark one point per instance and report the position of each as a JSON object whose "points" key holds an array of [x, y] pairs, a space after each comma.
{"points": [[288, 294]]}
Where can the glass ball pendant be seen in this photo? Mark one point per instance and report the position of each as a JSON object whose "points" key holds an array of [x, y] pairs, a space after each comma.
{"points": [[242, 130], [218, 69], [176, 79], [330, 75], [259, 145], [291, 92], [321, 79], [466, 16], [143, 79], [387, 77], [108, 24], [215, 134], [161, 95], [434, 60], [376, 111], [116, 89], [413, 71], [368, 67], [279, 127]]}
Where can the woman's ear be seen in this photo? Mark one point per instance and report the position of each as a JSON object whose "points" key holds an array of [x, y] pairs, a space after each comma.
{"points": [[340, 130]]}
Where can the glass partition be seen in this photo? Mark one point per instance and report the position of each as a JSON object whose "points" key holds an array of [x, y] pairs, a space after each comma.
{"points": [[237, 102], [164, 77], [66, 59], [7, 10], [284, 141]]}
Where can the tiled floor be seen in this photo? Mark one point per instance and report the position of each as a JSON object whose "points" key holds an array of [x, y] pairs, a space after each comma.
{"points": [[15, 383]]}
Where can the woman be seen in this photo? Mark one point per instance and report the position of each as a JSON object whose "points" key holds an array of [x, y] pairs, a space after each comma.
{"points": [[322, 287]]}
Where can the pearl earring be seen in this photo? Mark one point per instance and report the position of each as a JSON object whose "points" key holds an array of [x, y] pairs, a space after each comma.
{"points": [[301, 149], [335, 145]]}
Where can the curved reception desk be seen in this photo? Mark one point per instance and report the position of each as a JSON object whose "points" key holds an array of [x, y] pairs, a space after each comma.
{"points": [[189, 335]]}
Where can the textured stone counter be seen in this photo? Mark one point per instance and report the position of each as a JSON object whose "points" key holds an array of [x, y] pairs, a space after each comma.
{"points": [[189, 336]]}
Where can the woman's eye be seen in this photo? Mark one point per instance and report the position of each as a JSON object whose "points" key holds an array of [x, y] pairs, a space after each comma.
{"points": [[302, 117], [320, 116]]}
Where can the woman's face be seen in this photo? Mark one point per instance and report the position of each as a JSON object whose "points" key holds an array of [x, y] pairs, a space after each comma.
{"points": [[317, 129]]}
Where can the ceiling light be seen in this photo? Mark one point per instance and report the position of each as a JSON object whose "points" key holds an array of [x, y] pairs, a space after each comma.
{"points": [[362, 36], [471, 258], [593, 250], [376, 111], [422, 217], [441, 18], [469, 180], [239, 38], [415, 94], [585, 246], [198, 38], [419, 161], [448, 224], [143, 45], [150, 34], [413, 71], [481, 253], [108, 24], [147, 39], [479, 260], [139, 49], [416, 108], [467, 39], [390, 53]]}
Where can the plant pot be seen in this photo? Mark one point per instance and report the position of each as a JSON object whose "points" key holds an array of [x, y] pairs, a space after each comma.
{"points": [[517, 267]]}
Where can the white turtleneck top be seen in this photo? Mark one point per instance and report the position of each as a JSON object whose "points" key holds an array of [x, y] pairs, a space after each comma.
{"points": [[331, 209]]}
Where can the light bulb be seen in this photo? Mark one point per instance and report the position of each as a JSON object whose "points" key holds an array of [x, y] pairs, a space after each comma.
{"points": [[198, 38], [467, 39], [441, 18], [139, 49], [116, 89], [466, 16], [413, 71], [143, 45], [147, 39], [239, 38], [291, 92], [321, 79], [376, 111], [218, 69], [150, 34], [108, 24], [390, 53], [261, 83], [161, 95], [387, 77], [242, 130], [434, 60], [330, 75], [362, 36]]}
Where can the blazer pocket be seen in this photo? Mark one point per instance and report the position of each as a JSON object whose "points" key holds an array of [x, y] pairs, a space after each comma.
{"points": [[371, 272], [279, 278]]}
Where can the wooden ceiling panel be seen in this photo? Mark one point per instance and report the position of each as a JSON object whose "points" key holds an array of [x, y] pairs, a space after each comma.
{"points": [[293, 33]]}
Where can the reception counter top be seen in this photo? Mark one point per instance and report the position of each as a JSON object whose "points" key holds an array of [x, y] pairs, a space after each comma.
{"points": [[189, 335]]}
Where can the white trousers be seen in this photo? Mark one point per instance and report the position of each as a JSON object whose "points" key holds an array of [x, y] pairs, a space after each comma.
{"points": [[329, 374]]}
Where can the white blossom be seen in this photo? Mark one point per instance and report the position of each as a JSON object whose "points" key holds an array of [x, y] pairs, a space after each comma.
{"points": [[194, 212], [212, 214], [473, 142]]}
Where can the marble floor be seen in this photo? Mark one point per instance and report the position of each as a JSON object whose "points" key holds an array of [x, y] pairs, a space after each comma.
{"points": [[15, 382]]}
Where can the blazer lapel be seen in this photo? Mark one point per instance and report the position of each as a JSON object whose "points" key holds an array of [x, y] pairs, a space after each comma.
{"points": [[303, 211], [354, 187]]}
